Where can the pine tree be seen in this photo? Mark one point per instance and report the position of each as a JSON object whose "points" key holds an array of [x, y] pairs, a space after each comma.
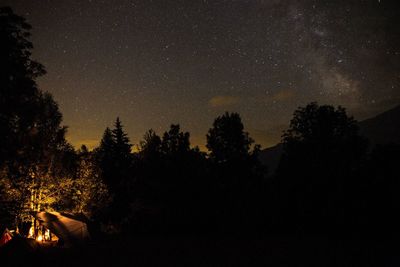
{"points": [[114, 157], [122, 147], [105, 156], [107, 142]]}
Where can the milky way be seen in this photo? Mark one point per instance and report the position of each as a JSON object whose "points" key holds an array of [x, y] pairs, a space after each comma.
{"points": [[154, 63]]}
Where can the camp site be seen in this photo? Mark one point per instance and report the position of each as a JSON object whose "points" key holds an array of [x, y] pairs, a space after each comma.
{"points": [[49, 229], [199, 133]]}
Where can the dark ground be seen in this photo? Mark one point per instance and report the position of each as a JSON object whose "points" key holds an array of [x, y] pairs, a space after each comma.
{"points": [[283, 251]]}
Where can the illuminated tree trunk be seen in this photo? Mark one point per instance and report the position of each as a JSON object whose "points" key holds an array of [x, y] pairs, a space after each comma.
{"points": [[39, 201], [34, 205]]}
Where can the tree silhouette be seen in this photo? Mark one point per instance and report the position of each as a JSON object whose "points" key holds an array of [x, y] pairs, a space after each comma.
{"points": [[174, 141], [237, 173], [88, 192], [322, 149], [19, 93], [122, 157], [227, 139], [32, 143], [114, 156], [105, 156], [322, 138], [377, 196], [122, 147], [170, 184], [115, 162], [107, 142], [150, 147]]}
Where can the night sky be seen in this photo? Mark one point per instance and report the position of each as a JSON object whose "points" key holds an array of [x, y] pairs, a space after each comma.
{"points": [[154, 63]]}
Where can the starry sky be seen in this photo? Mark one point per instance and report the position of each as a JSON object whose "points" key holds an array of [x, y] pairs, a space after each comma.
{"points": [[153, 63]]}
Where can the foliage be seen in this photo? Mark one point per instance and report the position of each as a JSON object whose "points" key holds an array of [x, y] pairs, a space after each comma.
{"points": [[19, 95], [174, 141], [227, 140], [32, 139], [322, 152], [114, 157], [38, 167], [89, 194], [122, 147], [150, 147], [237, 173], [321, 140], [114, 162]]}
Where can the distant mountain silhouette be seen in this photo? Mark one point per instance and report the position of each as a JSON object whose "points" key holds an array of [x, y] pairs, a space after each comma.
{"points": [[381, 129]]}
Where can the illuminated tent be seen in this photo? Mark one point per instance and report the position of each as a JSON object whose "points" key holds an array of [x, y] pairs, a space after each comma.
{"points": [[67, 228]]}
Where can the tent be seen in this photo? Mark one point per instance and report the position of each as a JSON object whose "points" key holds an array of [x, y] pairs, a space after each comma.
{"points": [[68, 228]]}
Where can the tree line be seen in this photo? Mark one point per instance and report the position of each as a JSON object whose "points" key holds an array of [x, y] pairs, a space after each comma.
{"points": [[328, 180]]}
